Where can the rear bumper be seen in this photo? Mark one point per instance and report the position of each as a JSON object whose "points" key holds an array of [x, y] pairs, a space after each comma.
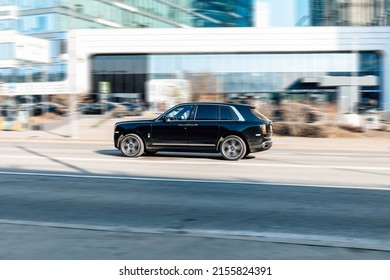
{"points": [[266, 145], [262, 146]]}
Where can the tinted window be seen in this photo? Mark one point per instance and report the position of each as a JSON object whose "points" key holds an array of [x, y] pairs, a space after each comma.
{"points": [[259, 115], [227, 114], [181, 113], [207, 112]]}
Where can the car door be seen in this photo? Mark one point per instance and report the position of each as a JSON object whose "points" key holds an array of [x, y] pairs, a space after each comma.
{"points": [[171, 128], [203, 130]]}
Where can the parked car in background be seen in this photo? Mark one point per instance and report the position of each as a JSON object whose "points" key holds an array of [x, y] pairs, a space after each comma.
{"points": [[133, 109], [117, 110], [234, 130], [8, 114], [365, 107], [48, 107], [7, 111], [26, 106], [97, 108], [372, 121], [91, 108]]}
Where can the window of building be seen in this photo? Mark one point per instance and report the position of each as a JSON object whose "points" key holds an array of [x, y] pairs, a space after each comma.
{"points": [[63, 47], [79, 8], [207, 112], [126, 73], [27, 4], [6, 51], [212, 76], [42, 24], [7, 2], [7, 24]]}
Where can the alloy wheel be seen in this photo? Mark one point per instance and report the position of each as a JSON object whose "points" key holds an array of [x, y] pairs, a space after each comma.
{"points": [[233, 148], [132, 145]]}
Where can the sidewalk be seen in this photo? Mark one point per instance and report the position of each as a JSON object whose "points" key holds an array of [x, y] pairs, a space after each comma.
{"points": [[88, 128], [100, 129]]}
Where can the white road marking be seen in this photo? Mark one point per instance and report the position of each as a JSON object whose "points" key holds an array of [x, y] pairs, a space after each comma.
{"points": [[85, 176], [274, 237], [205, 162]]}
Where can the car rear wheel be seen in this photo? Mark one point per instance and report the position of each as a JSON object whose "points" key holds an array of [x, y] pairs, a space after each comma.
{"points": [[233, 148], [132, 145]]}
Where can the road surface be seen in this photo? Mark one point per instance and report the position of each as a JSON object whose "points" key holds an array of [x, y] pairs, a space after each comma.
{"points": [[66, 200]]}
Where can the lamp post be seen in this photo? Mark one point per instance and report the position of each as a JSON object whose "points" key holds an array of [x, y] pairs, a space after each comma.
{"points": [[72, 77]]}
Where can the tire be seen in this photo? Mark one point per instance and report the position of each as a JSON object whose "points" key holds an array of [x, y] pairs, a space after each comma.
{"points": [[132, 145], [233, 148]]}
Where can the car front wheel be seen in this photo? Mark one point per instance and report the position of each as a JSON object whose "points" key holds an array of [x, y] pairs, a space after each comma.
{"points": [[132, 145], [233, 148]]}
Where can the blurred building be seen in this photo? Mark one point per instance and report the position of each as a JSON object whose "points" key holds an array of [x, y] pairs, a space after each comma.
{"points": [[115, 55], [340, 66], [228, 13], [350, 12], [52, 19]]}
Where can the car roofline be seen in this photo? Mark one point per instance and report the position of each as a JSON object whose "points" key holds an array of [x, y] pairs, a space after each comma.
{"points": [[214, 103]]}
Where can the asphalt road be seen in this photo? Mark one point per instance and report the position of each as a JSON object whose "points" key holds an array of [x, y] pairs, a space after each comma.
{"points": [[287, 165], [85, 201]]}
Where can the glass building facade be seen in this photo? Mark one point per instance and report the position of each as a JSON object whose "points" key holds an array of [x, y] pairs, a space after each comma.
{"points": [[220, 77], [350, 12], [51, 19], [229, 13]]}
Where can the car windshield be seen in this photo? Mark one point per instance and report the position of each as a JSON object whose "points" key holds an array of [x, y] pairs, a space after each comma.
{"points": [[178, 113]]}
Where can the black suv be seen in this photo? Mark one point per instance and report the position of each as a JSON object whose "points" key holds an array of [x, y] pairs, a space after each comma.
{"points": [[234, 130]]}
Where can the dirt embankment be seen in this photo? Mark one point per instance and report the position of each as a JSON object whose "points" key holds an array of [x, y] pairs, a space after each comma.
{"points": [[326, 131]]}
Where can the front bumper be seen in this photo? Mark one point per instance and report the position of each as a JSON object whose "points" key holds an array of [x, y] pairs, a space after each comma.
{"points": [[116, 138]]}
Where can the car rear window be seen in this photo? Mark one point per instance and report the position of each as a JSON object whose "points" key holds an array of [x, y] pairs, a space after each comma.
{"points": [[258, 114], [227, 114]]}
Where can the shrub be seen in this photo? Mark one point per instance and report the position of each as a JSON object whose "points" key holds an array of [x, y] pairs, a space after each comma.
{"points": [[299, 129], [307, 130], [352, 128], [282, 129]]}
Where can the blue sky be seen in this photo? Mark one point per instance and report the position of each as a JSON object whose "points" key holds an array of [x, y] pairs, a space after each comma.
{"points": [[287, 12]]}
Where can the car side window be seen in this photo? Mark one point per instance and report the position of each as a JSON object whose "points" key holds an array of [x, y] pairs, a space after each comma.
{"points": [[207, 113], [227, 114], [181, 113]]}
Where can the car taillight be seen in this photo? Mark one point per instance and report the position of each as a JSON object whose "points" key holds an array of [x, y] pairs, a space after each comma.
{"points": [[263, 129]]}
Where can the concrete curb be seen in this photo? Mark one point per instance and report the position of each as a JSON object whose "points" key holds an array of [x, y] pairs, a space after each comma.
{"points": [[270, 237]]}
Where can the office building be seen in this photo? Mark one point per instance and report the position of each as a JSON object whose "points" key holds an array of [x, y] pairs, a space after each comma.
{"points": [[204, 63], [226, 13], [324, 63], [52, 19], [350, 12]]}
